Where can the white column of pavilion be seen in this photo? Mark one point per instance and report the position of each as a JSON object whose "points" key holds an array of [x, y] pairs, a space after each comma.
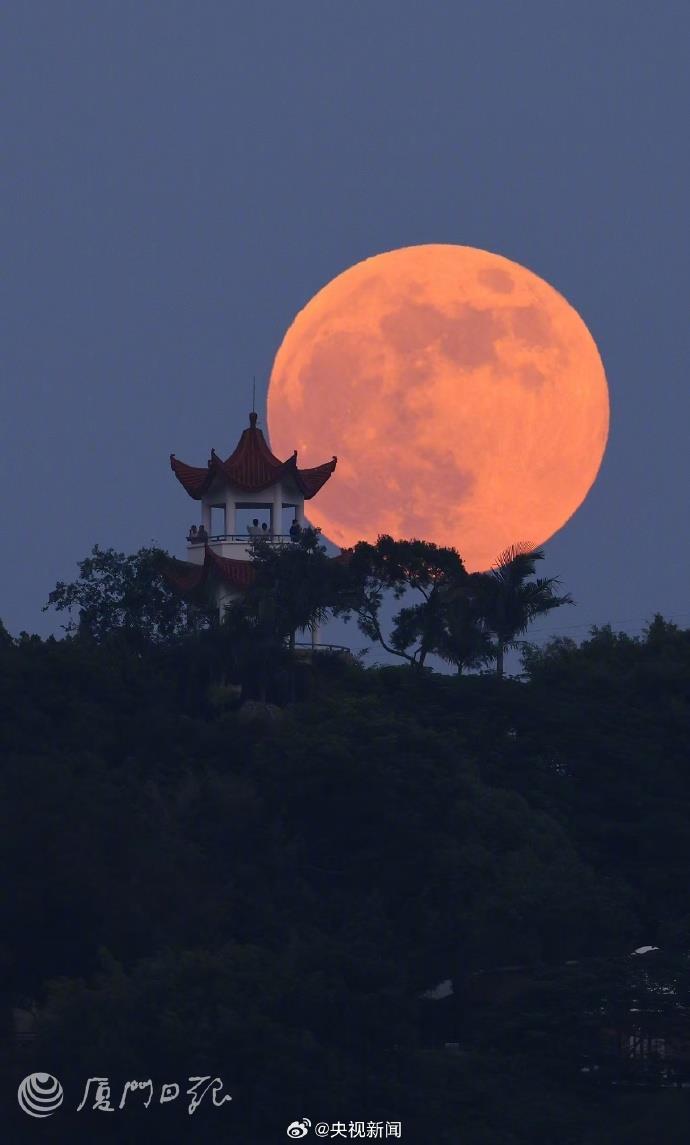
{"points": [[277, 510], [230, 512]]}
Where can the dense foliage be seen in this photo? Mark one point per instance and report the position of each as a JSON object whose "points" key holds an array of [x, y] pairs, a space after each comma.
{"points": [[468, 619], [189, 890]]}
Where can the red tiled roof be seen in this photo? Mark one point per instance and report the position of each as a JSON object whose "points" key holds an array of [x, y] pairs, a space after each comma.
{"points": [[186, 576], [251, 467]]}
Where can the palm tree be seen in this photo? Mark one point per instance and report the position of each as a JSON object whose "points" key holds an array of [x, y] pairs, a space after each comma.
{"points": [[510, 599]]}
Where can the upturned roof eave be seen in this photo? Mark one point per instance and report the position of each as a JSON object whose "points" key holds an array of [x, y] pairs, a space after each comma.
{"points": [[250, 468]]}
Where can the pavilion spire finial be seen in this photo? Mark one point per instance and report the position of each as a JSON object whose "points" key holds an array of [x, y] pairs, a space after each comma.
{"points": [[253, 415]]}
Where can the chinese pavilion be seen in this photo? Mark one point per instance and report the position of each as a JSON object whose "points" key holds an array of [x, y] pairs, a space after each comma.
{"points": [[251, 478]]}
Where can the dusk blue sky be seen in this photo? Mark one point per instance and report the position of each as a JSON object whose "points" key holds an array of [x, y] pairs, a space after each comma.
{"points": [[180, 178]]}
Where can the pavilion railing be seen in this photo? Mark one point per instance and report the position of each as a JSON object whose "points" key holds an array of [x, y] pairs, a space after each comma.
{"points": [[240, 538]]}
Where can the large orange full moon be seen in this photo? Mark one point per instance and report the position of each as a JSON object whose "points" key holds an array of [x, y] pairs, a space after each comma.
{"points": [[464, 397]]}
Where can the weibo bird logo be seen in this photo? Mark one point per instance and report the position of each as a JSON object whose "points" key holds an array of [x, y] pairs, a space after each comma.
{"points": [[298, 1128]]}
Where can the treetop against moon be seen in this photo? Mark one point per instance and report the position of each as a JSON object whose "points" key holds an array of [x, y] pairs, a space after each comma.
{"points": [[463, 395]]}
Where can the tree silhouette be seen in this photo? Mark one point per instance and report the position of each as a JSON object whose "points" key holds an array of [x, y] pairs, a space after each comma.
{"points": [[509, 599], [404, 567], [465, 640], [127, 594], [295, 587]]}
